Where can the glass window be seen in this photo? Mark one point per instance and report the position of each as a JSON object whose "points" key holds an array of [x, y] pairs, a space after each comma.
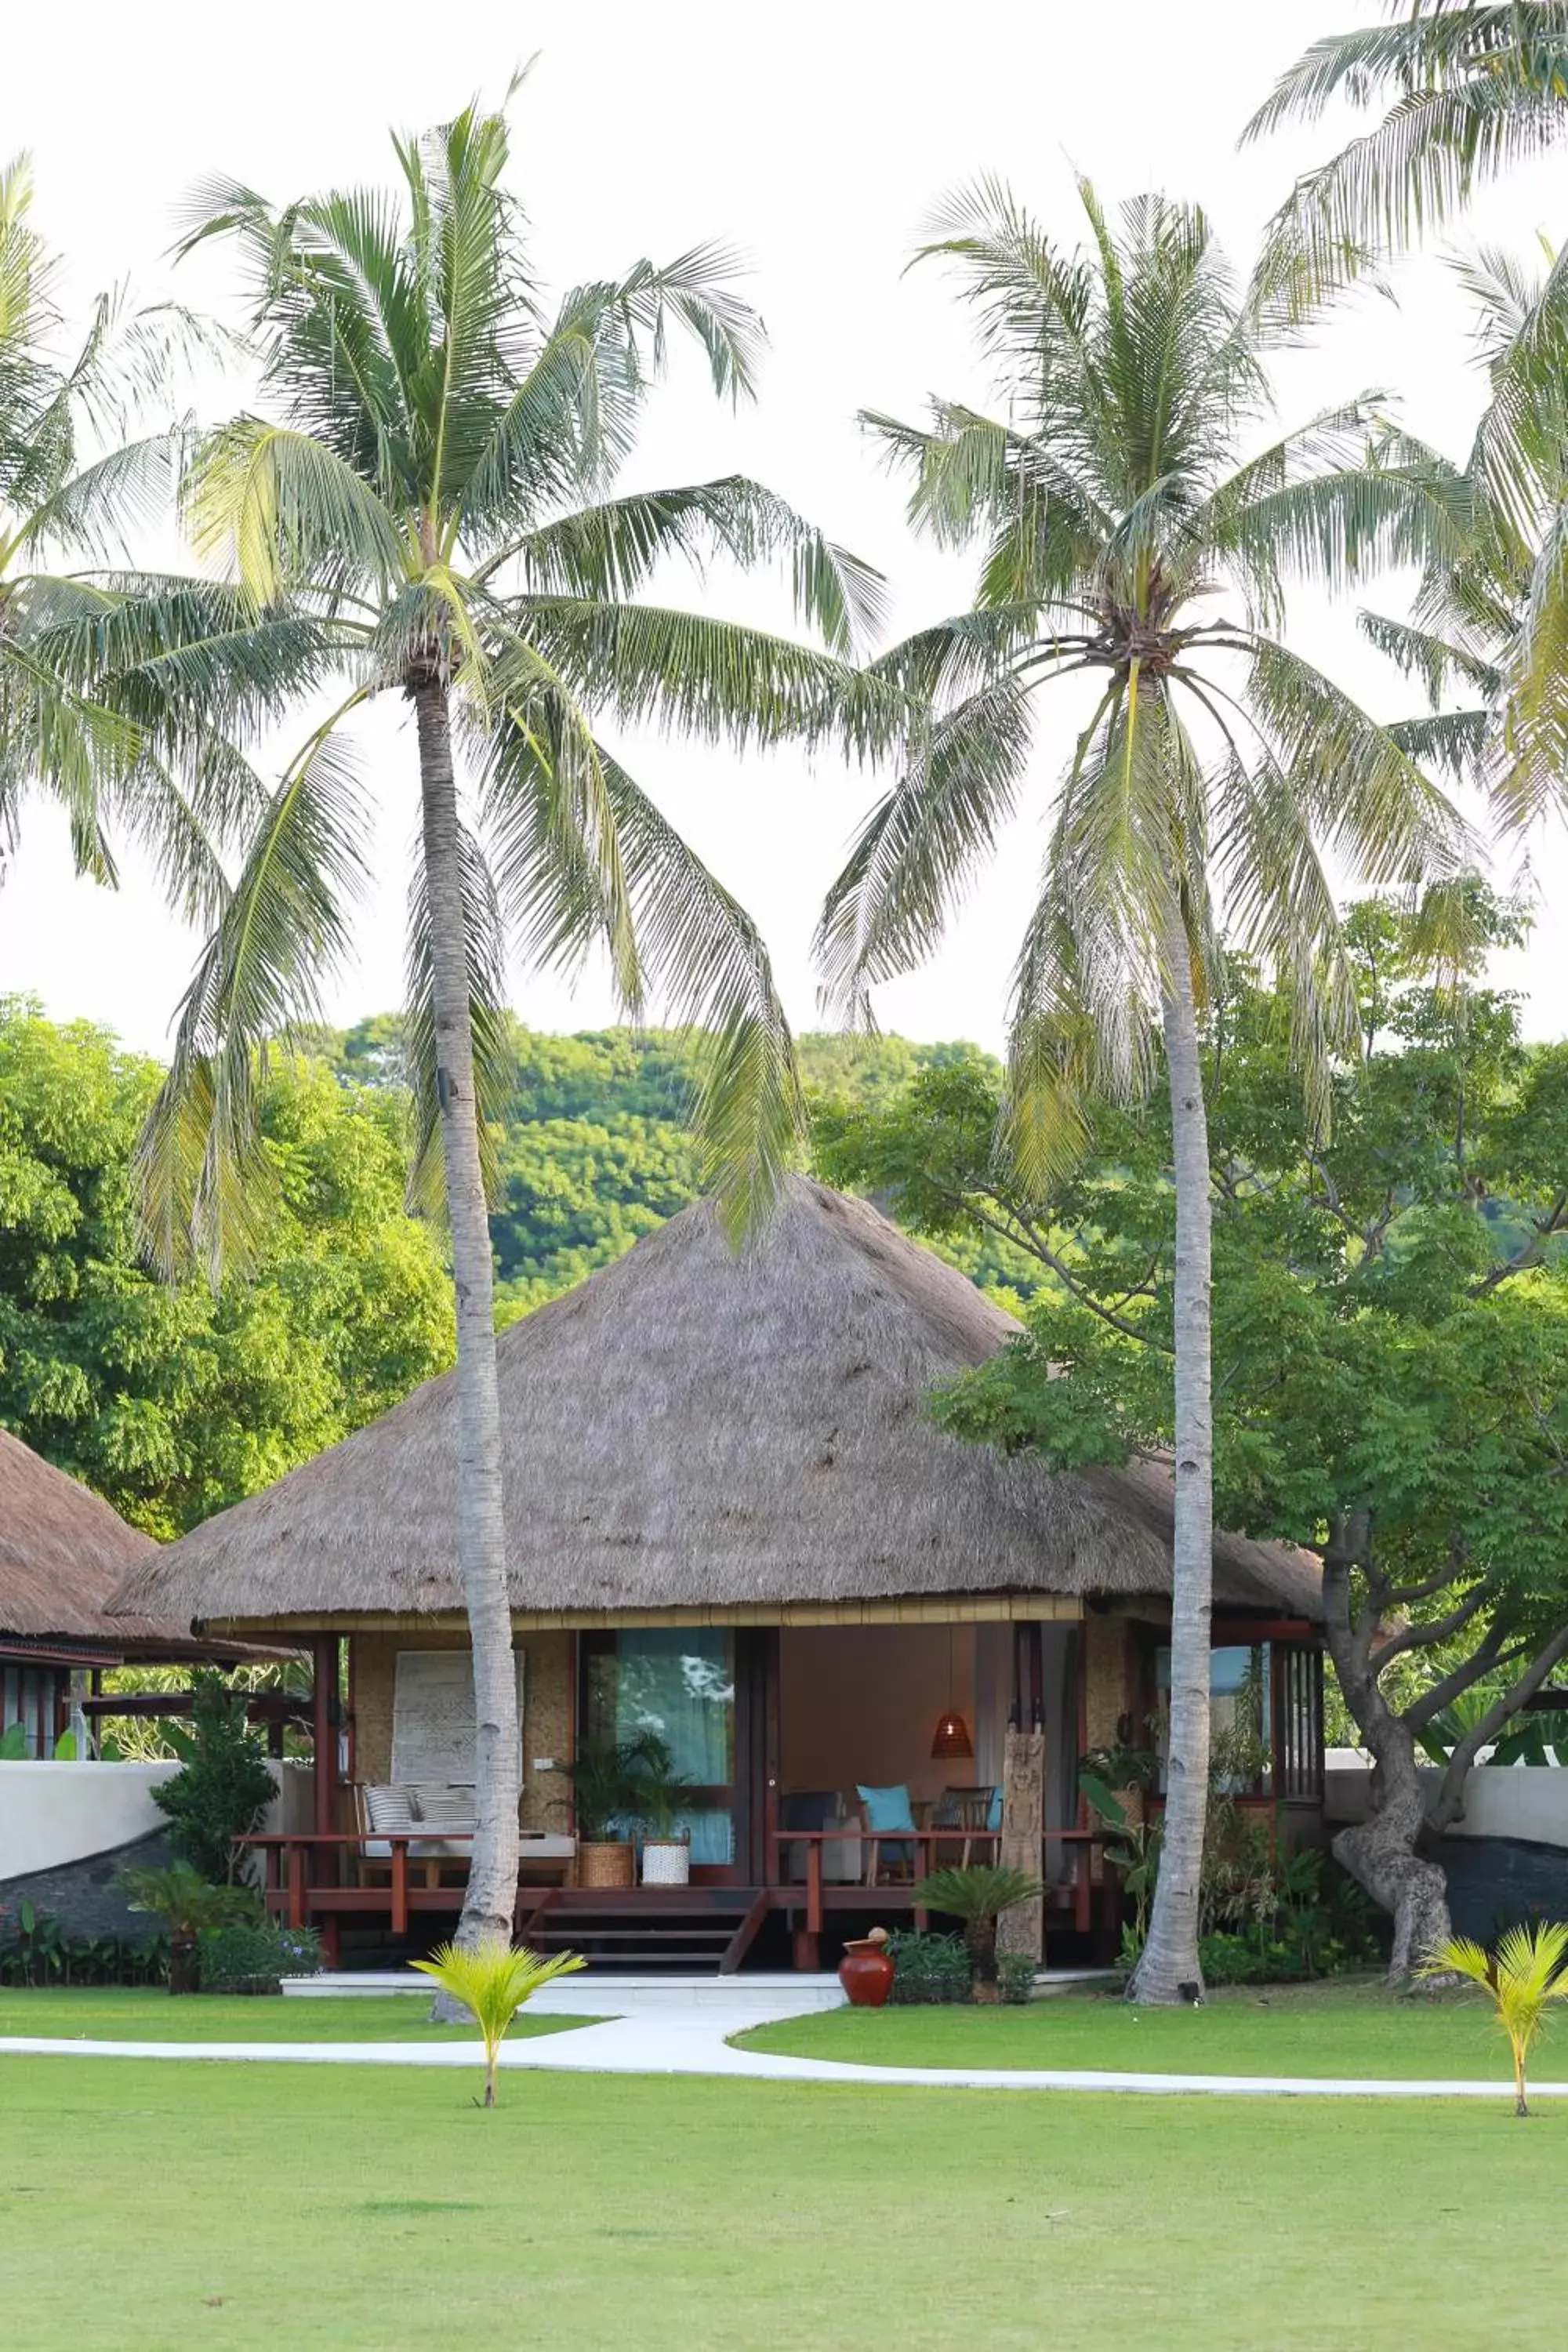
{"points": [[1238, 1712], [679, 1682]]}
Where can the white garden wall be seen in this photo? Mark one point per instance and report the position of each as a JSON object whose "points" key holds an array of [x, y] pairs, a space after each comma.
{"points": [[53, 1813], [1501, 1800]]}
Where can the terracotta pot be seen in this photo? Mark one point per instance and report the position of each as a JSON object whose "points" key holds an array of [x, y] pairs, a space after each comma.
{"points": [[607, 1862], [866, 1972]]}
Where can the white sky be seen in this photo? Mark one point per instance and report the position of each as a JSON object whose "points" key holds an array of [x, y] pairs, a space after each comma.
{"points": [[815, 137]]}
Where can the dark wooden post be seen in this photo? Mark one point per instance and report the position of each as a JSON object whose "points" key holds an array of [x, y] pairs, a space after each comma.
{"points": [[324, 1730], [324, 1736]]}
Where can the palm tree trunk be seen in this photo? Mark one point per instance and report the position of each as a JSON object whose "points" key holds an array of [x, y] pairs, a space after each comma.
{"points": [[491, 1897], [1168, 1969]]}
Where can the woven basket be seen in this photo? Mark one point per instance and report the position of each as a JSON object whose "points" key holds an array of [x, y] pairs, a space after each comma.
{"points": [[667, 1862], [605, 1864]]}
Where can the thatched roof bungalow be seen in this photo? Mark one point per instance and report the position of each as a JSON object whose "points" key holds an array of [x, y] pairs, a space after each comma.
{"points": [[688, 1431], [63, 1553], [727, 1511]]}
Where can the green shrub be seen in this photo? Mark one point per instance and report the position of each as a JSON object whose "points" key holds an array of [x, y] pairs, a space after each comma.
{"points": [[34, 1950], [223, 1786], [255, 1955], [928, 1967], [1016, 1975]]}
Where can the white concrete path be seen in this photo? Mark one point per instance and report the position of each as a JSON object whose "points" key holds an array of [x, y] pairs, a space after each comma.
{"points": [[665, 2029]]}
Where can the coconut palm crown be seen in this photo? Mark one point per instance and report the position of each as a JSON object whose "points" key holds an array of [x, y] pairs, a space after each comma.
{"points": [[420, 504], [1137, 544]]}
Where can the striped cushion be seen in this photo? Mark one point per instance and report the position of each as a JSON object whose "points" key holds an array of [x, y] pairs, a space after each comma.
{"points": [[450, 1809], [392, 1812]]}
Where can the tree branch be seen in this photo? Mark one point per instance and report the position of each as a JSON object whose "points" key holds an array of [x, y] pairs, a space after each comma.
{"points": [[1455, 1684], [1436, 1629]]}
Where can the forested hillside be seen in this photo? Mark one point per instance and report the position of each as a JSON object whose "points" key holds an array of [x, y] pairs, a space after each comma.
{"points": [[597, 1149], [176, 1403]]}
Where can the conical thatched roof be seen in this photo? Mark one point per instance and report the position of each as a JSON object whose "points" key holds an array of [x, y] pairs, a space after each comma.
{"points": [[687, 1429], [63, 1551]]}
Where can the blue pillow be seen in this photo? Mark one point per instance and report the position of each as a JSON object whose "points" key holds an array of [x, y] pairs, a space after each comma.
{"points": [[885, 1809], [993, 1811]]}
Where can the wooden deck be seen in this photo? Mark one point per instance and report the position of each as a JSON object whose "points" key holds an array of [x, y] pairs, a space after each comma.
{"points": [[316, 1879]]}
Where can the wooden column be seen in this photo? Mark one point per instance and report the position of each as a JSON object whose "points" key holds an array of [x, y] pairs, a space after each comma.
{"points": [[324, 1729], [1023, 1928]]}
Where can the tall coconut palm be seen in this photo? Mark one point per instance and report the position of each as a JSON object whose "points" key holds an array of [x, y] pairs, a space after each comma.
{"points": [[419, 510], [73, 489], [1212, 767]]}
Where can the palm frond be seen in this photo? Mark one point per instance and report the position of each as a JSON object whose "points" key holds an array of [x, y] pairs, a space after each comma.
{"points": [[608, 551], [921, 845], [705, 960], [204, 1181], [283, 511]]}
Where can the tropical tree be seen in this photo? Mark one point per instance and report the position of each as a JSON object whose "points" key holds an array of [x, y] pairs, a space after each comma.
{"points": [[1390, 1339], [421, 512], [976, 1893], [1469, 88], [73, 488], [1213, 766]]}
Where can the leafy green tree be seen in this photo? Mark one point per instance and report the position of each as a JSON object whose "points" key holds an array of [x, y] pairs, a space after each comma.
{"points": [[1213, 766], [222, 1786], [173, 1402], [1391, 1345], [422, 511]]}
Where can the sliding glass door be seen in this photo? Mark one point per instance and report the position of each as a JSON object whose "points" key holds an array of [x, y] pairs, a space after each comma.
{"points": [[678, 1681]]}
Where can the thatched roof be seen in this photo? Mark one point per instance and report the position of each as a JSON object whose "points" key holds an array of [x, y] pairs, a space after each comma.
{"points": [[63, 1551], [690, 1429]]}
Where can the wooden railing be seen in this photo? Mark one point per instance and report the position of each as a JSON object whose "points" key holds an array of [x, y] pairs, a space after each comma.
{"points": [[933, 1848]]}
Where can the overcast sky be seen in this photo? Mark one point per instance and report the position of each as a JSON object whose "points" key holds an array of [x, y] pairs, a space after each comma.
{"points": [[815, 137]]}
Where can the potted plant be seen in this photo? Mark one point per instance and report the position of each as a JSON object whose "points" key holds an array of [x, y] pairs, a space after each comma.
{"points": [[666, 1851], [607, 1786]]}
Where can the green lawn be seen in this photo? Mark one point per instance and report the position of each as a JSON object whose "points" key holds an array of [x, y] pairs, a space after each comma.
{"points": [[1330, 2029], [146, 2206], [109, 2014]]}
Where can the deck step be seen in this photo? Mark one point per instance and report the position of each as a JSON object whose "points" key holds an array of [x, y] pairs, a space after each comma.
{"points": [[626, 1927]]}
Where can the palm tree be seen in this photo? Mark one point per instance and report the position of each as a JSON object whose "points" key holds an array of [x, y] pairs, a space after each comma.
{"points": [[1488, 628], [110, 764], [1470, 87], [422, 512], [1526, 1974], [1115, 511], [492, 1982]]}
